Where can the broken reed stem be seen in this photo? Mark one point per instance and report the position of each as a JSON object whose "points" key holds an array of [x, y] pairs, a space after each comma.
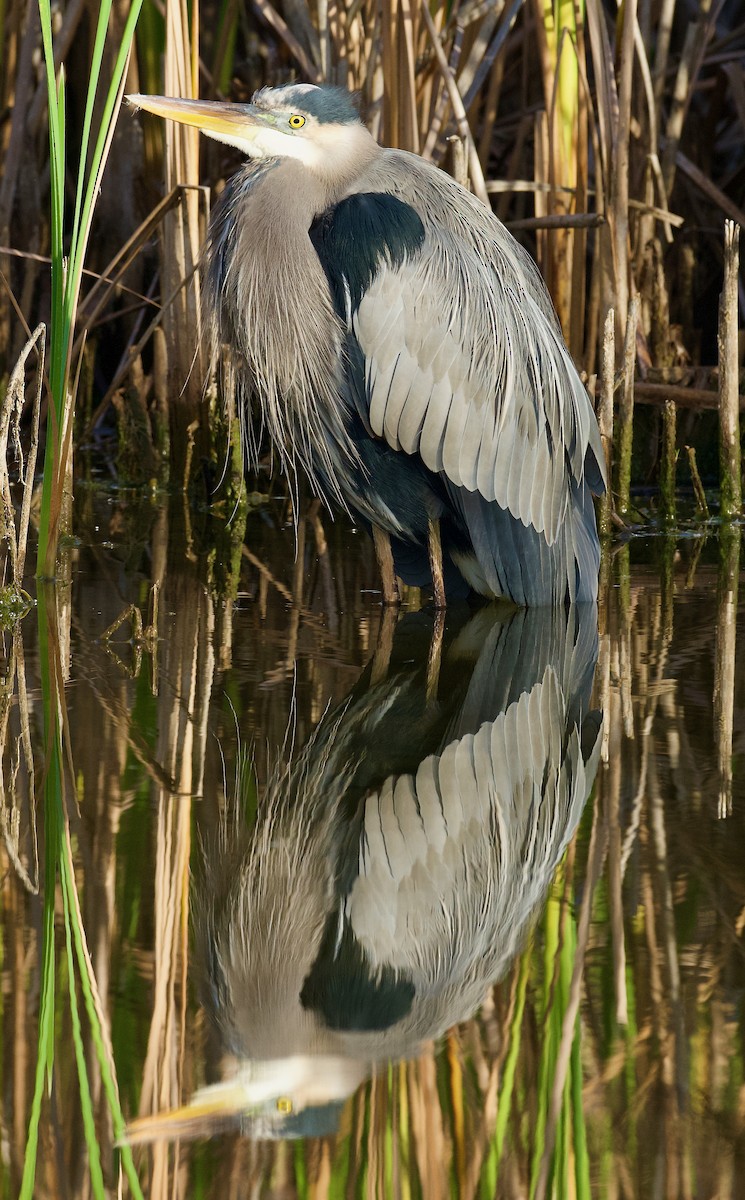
{"points": [[605, 415], [625, 435], [702, 508], [730, 482], [668, 462], [458, 160]]}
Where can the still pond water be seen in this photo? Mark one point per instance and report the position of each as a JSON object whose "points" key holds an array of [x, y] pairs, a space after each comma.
{"points": [[452, 908]]}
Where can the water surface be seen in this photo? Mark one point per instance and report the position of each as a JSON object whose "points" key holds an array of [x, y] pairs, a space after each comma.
{"points": [[460, 902]]}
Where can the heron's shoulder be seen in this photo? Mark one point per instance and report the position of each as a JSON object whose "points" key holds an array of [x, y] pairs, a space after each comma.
{"points": [[360, 233]]}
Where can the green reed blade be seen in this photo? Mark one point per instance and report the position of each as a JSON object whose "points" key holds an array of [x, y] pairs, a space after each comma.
{"points": [[52, 814], [504, 1106], [67, 275], [94, 73], [86, 1102], [581, 1155], [107, 1077]]}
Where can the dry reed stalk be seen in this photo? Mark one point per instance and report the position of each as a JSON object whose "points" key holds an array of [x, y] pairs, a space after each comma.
{"points": [[605, 416], [619, 193], [14, 150], [459, 112], [182, 238], [613, 776], [683, 397], [625, 434], [187, 671], [455, 1081], [668, 462], [730, 481], [674, 1057], [10, 418], [427, 1126], [725, 662], [16, 755], [702, 508], [559, 48]]}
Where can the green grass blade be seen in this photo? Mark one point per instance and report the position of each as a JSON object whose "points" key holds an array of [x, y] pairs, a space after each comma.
{"points": [[86, 1103], [94, 74], [52, 811], [581, 1155], [504, 1106], [111, 108], [66, 279], [107, 1078]]}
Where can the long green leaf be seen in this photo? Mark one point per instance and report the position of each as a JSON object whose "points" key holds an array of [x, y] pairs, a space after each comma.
{"points": [[86, 1103]]}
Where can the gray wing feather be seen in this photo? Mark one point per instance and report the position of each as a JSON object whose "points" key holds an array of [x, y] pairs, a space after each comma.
{"points": [[484, 388], [500, 805]]}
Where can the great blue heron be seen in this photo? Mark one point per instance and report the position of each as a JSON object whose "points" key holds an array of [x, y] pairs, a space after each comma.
{"points": [[393, 869], [403, 350]]}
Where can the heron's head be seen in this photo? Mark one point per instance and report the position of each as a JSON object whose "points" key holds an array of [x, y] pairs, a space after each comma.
{"points": [[281, 1098], [315, 125]]}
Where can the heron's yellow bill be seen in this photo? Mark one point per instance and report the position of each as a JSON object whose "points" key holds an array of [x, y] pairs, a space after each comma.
{"points": [[226, 122], [208, 1111]]}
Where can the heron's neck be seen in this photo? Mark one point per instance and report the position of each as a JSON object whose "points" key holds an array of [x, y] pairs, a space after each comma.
{"points": [[274, 308], [301, 189]]}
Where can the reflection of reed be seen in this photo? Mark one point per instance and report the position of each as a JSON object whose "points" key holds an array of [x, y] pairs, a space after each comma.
{"points": [[184, 690], [724, 678]]}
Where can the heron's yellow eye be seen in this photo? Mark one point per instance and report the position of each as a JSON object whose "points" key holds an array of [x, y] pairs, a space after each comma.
{"points": [[296, 121], [284, 1104]]}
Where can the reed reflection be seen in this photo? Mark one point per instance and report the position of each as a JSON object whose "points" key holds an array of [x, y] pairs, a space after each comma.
{"points": [[394, 865]]}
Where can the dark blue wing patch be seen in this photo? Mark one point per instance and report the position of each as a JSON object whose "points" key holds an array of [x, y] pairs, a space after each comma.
{"points": [[341, 988], [355, 237]]}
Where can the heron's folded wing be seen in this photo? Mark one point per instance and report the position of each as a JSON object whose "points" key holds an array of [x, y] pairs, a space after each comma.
{"points": [[453, 859], [469, 373], [463, 359]]}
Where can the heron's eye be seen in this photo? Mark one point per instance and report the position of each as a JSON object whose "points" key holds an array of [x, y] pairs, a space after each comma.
{"points": [[296, 121], [284, 1104]]}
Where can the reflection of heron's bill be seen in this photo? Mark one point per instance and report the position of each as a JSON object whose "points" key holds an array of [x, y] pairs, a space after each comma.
{"points": [[291, 1097], [209, 1110]]}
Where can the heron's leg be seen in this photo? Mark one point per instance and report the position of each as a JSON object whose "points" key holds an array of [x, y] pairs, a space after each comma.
{"points": [[381, 660], [434, 655], [384, 555], [434, 545]]}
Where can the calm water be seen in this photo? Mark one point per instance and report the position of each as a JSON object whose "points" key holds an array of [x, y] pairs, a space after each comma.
{"points": [[455, 908]]}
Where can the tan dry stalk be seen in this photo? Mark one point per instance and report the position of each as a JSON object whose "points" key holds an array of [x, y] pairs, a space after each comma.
{"points": [[613, 775], [619, 196], [14, 753], [730, 471], [182, 237], [605, 415], [456, 101], [10, 416], [626, 411], [725, 661], [14, 151], [185, 688]]}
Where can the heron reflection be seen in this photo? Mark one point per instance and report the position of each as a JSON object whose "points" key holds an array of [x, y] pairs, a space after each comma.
{"points": [[394, 867]]}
